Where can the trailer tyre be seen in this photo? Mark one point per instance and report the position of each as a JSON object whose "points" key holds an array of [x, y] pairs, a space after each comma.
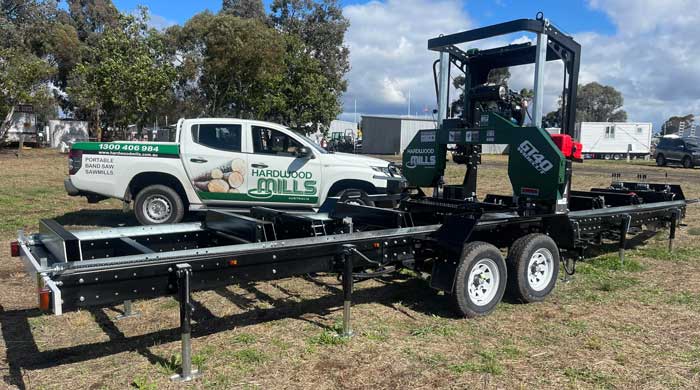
{"points": [[158, 204], [533, 267], [480, 280]]}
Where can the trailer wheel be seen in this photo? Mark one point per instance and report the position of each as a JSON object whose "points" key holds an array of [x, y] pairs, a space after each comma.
{"points": [[533, 267], [687, 162], [158, 204], [661, 160], [480, 280]]}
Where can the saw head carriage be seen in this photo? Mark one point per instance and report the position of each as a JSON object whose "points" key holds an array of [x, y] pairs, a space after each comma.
{"points": [[539, 165]]}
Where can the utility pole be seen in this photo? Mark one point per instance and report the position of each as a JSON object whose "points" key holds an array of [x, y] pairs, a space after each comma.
{"points": [[409, 103]]}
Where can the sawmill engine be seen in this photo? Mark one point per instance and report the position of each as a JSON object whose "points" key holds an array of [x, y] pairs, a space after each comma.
{"points": [[496, 98]]}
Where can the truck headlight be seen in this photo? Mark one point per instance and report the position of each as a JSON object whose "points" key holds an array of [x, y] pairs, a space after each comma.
{"points": [[384, 170]]}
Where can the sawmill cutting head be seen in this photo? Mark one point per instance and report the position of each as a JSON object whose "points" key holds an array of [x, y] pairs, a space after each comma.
{"points": [[539, 165]]}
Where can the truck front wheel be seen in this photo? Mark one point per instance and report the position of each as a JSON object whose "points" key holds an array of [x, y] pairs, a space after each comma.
{"points": [[355, 196], [158, 204]]}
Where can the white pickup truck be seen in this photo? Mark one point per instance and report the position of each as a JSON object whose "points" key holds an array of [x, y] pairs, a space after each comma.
{"points": [[223, 163]]}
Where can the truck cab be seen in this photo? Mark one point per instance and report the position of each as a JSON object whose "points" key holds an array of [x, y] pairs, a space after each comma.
{"points": [[224, 163]]}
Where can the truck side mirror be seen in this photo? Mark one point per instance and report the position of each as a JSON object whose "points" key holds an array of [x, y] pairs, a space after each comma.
{"points": [[304, 152]]}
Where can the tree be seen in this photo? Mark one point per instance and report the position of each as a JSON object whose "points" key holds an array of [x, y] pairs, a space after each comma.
{"points": [[249, 9], [595, 103], [321, 27], [24, 69], [674, 124], [599, 103], [23, 79], [229, 66], [305, 97], [125, 74], [91, 17]]}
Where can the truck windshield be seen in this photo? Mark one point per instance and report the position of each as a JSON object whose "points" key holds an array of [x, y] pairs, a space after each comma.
{"points": [[311, 142]]}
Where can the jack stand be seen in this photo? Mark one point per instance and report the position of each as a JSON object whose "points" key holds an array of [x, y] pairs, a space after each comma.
{"points": [[128, 311], [627, 221], [672, 231], [184, 271], [347, 288]]}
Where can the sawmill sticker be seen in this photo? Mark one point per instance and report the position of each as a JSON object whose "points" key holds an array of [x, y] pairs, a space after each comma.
{"points": [[97, 165], [289, 183], [224, 179], [534, 157]]}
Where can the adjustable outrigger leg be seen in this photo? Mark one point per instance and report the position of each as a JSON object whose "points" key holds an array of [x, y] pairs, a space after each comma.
{"points": [[626, 222], [128, 311], [183, 272], [348, 249], [675, 215]]}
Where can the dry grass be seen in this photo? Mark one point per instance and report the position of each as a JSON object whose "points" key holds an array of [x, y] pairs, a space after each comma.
{"points": [[609, 327]]}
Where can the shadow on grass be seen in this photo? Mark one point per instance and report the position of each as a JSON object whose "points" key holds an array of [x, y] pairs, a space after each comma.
{"points": [[24, 354], [612, 247]]}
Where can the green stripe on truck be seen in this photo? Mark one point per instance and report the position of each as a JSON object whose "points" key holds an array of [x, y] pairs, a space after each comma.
{"points": [[247, 198], [129, 149]]}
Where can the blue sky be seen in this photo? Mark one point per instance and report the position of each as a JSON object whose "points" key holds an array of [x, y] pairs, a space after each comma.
{"points": [[644, 48], [577, 15]]}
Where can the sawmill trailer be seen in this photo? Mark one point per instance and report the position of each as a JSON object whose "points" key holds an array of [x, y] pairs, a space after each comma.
{"points": [[449, 235]]}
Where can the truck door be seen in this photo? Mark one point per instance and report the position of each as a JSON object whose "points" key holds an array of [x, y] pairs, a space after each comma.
{"points": [[277, 175], [215, 162]]}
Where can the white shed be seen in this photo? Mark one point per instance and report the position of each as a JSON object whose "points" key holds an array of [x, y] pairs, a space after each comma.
{"points": [[20, 122], [66, 132], [613, 140], [391, 134]]}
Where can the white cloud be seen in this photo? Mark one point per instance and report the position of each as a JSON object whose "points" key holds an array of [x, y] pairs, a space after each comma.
{"points": [[159, 22], [653, 58], [388, 52]]}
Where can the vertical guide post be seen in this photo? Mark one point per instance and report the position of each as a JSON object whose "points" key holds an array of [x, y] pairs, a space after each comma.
{"points": [[540, 60], [183, 272], [443, 99], [347, 288], [443, 87]]}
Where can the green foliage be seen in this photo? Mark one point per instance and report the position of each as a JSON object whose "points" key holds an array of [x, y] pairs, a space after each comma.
{"points": [[213, 80], [595, 103], [125, 74], [487, 362], [588, 375], [23, 78], [250, 356], [252, 9], [143, 383], [321, 27], [599, 103], [328, 337], [109, 68]]}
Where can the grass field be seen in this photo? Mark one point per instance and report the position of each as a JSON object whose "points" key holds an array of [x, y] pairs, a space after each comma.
{"points": [[634, 326]]}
